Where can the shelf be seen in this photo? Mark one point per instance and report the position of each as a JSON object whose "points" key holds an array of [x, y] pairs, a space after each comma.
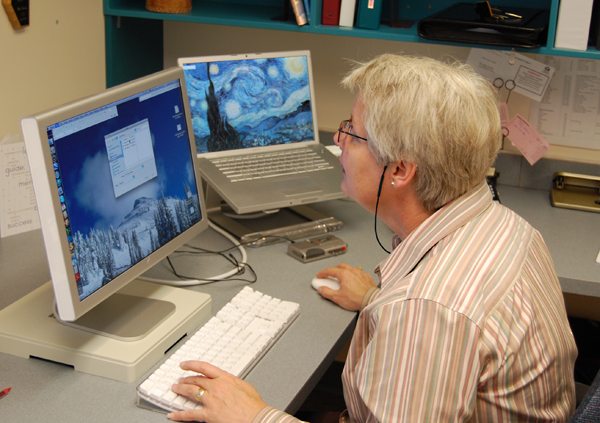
{"points": [[133, 32], [217, 13]]}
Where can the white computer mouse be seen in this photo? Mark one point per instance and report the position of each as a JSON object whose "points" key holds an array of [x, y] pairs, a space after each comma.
{"points": [[328, 282]]}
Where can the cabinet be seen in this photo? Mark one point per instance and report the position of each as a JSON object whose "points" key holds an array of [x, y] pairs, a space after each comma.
{"points": [[134, 36]]}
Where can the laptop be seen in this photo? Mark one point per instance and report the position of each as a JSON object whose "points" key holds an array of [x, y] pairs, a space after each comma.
{"points": [[257, 111]]}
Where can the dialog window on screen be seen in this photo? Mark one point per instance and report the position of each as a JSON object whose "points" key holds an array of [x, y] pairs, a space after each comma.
{"points": [[131, 157]]}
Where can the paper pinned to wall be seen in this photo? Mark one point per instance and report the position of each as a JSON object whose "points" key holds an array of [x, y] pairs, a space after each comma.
{"points": [[569, 113], [531, 77], [525, 137], [18, 208]]}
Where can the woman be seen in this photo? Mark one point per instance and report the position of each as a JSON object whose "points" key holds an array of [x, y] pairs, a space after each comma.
{"points": [[468, 323]]}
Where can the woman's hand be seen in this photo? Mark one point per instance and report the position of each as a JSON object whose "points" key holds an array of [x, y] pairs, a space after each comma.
{"points": [[354, 285], [226, 399]]}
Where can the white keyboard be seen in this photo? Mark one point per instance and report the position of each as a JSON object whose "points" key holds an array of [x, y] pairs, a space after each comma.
{"points": [[235, 339]]}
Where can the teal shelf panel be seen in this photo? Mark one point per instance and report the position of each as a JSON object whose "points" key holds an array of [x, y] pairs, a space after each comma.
{"points": [[590, 53]]}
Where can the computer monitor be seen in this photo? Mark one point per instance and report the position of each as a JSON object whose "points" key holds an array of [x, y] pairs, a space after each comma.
{"points": [[116, 186], [117, 190]]}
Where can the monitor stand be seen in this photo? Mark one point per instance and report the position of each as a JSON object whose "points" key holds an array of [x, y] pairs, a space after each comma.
{"points": [[270, 227], [28, 329]]}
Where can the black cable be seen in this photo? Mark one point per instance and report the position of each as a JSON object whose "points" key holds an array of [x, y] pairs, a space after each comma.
{"points": [[236, 245], [377, 206], [240, 266]]}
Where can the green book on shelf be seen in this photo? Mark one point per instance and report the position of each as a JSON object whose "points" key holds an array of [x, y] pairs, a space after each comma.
{"points": [[368, 14]]}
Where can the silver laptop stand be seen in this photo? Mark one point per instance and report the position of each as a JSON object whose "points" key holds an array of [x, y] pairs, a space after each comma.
{"points": [[257, 230]]}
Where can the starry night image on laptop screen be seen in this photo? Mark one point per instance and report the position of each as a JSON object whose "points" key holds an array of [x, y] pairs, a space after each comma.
{"points": [[249, 103]]}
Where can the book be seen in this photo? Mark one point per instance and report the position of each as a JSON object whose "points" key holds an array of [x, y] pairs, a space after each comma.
{"points": [[347, 10], [17, 12], [307, 10], [299, 12], [368, 14], [573, 25], [595, 25], [331, 12]]}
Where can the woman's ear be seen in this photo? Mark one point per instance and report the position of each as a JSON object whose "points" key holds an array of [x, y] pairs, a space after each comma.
{"points": [[402, 173]]}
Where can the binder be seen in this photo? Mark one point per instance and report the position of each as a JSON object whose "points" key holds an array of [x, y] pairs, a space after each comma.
{"points": [[331, 12], [368, 14], [573, 25], [347, 9]]}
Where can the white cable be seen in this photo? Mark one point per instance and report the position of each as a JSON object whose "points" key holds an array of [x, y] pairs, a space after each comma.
{"points": [[192, 282]]}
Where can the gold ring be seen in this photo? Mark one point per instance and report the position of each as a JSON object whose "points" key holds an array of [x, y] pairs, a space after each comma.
{"points": [[199, 394], [359, 268]]}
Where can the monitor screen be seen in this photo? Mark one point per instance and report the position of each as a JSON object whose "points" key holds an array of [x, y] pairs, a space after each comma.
{"points": [[116, 186]]}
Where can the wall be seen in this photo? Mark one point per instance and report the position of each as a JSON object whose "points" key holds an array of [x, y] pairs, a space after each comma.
{"points": [[58, 58], [330, 56]]}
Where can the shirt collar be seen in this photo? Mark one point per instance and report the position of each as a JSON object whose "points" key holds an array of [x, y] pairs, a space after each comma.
{"points": [[407, 253]]}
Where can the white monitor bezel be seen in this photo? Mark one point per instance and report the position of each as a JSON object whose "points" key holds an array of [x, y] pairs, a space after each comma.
{"points": [[68, 304]]}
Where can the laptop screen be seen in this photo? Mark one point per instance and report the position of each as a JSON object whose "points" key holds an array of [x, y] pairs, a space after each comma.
{"points": [[249, 101]]}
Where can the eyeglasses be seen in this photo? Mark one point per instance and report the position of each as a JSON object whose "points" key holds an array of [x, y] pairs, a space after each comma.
{"points": [[346, 126]]}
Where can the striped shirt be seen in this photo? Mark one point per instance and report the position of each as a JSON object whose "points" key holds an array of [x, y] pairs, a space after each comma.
{"points": [[469, 325]]}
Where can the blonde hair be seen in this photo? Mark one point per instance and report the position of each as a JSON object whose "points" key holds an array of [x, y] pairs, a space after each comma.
{"points": [[442, 116]]}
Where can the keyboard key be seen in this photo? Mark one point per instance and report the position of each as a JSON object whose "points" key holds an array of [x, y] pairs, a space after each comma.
{"points": [[269, 165]]}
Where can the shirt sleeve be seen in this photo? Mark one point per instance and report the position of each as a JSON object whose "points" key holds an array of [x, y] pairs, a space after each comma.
{"points": [[371, 294], [421, 365], [272, 415]]}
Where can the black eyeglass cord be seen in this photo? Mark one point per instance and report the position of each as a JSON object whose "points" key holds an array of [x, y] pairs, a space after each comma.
{"points": [[377, 206]]}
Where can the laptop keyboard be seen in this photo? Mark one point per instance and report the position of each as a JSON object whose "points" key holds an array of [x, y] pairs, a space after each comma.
{"points": [[269, 165]]}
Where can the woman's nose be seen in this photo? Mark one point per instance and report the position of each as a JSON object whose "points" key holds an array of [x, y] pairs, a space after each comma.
{"points": [[336, 138]]}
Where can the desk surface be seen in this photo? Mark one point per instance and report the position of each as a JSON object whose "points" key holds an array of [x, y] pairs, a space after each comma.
{"points": [[54, 393]]}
